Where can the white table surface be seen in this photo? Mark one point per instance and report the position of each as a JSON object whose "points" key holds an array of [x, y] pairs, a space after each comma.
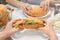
{"points": [[29, 34]]}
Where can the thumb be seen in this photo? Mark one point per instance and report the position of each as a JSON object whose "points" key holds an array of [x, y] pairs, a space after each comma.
{"points": [[15, 30]]}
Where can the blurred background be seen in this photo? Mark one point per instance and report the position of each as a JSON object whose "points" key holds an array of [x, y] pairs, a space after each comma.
{"points": [[2, 1]]}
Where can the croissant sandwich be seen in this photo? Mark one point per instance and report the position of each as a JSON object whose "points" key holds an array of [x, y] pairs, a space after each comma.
{"points": [[29, 23]]}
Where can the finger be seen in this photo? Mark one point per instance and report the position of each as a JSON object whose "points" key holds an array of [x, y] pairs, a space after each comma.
{"points": [[28, 6], [26, 11], [42, 5], [45, 6], [16, 29], [48, 5], [48, 23], [9, 24]]}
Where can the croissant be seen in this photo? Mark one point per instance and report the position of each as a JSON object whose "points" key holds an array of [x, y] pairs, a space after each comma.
{"points": [[37, 12], [4, 16]]}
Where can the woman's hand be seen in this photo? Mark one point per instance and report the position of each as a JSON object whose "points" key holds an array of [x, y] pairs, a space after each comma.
{"points": [[45, 4], [26, 8], [10, 29], [48, 29]]}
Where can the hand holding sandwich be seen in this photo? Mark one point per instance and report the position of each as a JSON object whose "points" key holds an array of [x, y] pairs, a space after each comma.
{"points": [[48, 29], [9, 30]]}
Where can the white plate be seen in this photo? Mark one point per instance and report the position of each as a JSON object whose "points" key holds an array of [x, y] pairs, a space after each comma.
{"points": [[39, 17], [30, 35]]}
